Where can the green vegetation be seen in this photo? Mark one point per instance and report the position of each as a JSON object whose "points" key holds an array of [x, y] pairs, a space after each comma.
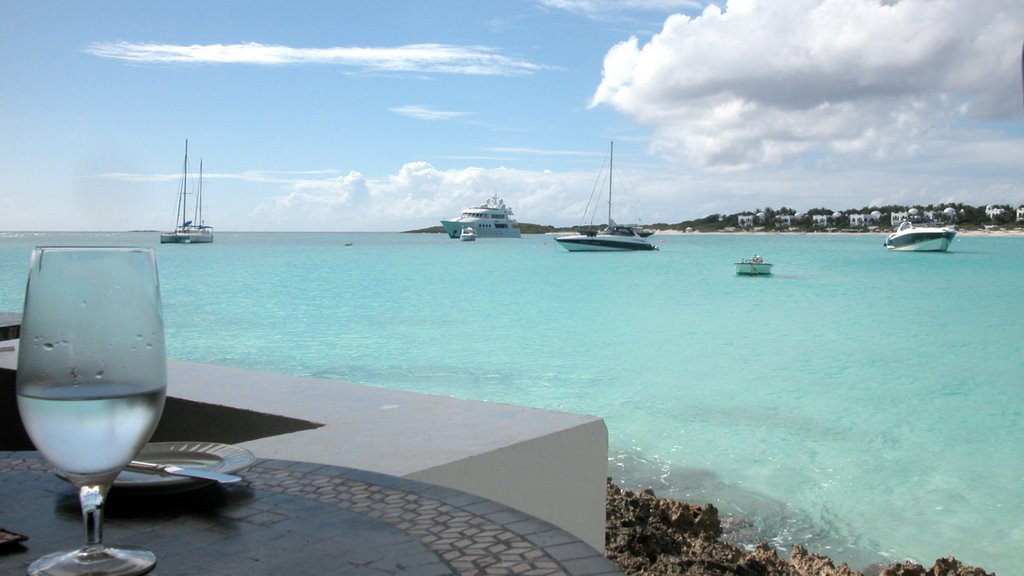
{"points": [[768, 219]]}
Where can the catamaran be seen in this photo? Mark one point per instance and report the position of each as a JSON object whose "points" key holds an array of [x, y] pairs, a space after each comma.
{"points": [[194, 230]]}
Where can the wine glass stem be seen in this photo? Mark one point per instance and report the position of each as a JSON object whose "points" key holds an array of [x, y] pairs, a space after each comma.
{"points": [[91, 497]]}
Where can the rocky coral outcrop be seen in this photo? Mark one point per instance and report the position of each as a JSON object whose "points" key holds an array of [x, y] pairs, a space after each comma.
{"points": [[647, 536]]}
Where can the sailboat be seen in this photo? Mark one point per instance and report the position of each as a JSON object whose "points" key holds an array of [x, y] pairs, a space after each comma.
{"points": [[194, 230], [613, 237]]}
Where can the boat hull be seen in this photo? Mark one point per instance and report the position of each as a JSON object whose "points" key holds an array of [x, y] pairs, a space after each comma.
{"points": [[918, 240], [752, 269], [186, 238], [601, 243]]}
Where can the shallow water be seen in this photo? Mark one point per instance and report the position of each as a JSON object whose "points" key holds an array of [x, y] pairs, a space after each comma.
{"points": [[868, 404]]}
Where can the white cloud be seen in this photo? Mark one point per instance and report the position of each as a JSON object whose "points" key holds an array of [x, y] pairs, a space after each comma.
{"points": [[420, 195], [600, 8], [544, 152], [419, 58], [427, 113], [763, 82], [259, 176]]}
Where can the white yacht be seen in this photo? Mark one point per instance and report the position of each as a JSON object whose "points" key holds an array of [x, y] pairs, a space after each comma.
{"points": [[921, 236], [468, 234], [612, 238], [493, 219]]}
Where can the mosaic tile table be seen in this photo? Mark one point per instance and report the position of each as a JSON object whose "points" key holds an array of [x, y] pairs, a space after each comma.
{"points": [[293, 518]]}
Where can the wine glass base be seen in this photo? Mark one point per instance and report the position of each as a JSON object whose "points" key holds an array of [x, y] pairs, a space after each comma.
{"points": [[95, 560]]}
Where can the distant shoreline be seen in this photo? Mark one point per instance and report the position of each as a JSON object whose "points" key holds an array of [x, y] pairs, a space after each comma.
{"points": [[967, 233], [1015, 232], [533, 229]]}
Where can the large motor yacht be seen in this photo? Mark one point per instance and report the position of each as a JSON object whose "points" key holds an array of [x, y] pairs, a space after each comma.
{"points": [[493, 219]]}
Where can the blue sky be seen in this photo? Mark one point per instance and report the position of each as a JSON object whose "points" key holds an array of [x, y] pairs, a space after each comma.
{"points": [[391, 115]]}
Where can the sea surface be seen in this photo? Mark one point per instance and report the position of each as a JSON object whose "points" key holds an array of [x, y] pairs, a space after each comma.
{"points": [[866, 404]]}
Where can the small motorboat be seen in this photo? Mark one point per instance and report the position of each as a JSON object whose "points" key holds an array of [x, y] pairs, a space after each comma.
{"points": [[755, 266], [468, 234], [920, 237]]}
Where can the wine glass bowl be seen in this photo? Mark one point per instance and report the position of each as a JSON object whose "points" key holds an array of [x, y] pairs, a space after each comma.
{"points": [[91, 381]]}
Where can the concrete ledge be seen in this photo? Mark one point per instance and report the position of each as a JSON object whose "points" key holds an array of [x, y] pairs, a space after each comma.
{"points": [[551, 465]]}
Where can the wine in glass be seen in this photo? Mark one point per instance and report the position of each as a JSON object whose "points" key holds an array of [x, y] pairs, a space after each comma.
{"points": [[91, 382]]}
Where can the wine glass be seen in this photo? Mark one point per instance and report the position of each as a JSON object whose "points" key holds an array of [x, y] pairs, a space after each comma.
{"points": [[91, 382]]}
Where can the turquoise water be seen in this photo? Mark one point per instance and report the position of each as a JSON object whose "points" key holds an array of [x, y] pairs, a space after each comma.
{"points": [[868, 404]]}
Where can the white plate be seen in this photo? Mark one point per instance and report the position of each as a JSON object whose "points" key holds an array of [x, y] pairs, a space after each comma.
{"points": [[199, 455]]}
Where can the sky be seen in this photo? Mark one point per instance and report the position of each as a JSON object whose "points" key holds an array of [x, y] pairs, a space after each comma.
{"points": [[390, 115]]}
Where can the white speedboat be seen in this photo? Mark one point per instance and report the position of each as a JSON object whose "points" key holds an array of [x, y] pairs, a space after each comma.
{"points": [[194, 230], [755, 266], [612, 238], [468, 235], [920, 237], [493, 219]]}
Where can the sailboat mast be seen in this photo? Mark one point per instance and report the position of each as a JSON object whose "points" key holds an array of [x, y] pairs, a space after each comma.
{"points": [[184, 188], [611, 161], [198, 218]]}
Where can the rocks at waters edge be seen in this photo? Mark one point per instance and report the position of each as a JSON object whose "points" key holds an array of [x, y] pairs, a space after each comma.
{"points": [[651, 536]]}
